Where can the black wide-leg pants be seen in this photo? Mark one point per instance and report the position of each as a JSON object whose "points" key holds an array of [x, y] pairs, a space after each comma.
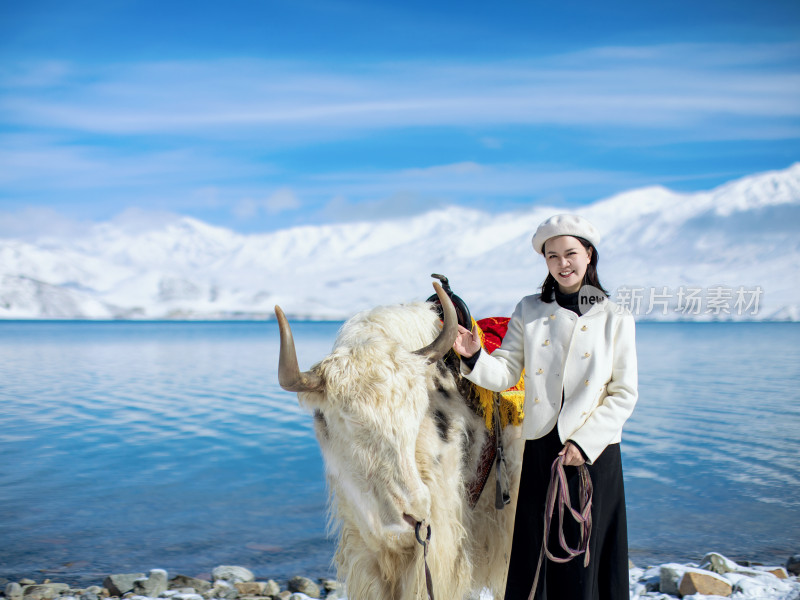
{"points": [[606, 577]]}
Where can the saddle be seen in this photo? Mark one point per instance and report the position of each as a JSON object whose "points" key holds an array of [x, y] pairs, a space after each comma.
{"points": [[462, 311]]}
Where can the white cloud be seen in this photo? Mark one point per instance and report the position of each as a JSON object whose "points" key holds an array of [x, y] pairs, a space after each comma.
{"points": [[38, 74], [33, 223], [372, 195], [281, 200], [682, 85], [38, 223], [467, 180], [342, 209], [491, 143], [247, 208], [35, 161], [192, 135], [456, 169], [136, 220]]}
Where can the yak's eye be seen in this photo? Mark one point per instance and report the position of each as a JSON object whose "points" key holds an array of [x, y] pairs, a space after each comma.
{"points": [[320, 422]]}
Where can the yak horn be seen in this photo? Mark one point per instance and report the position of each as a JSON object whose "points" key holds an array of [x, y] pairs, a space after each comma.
{"points": [[289, 375], [444, 341]]}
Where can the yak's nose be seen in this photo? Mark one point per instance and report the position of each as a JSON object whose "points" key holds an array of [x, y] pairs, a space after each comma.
{"points": [[411, 520], [419, 506]]}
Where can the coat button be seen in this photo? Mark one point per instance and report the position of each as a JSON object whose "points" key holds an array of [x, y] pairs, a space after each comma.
{"points": [[539, 371], [586, 382], [587, 355], [583, 328], [552, 317], [546, 343], [536, 400]]}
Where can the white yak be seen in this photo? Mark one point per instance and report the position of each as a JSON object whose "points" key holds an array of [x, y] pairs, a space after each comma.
{"points": [[400, 441]]}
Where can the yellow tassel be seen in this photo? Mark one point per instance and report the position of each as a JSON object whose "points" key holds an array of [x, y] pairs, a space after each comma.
{"points": [[512, 401]]}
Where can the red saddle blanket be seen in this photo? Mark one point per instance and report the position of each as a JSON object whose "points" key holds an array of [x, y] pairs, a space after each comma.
{"points": [[494, 330]]}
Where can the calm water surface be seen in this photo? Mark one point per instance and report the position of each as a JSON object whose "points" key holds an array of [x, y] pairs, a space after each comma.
{"points": [[131, 446]]}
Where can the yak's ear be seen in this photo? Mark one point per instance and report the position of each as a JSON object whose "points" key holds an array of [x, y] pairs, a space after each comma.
{"points": [[313, 400]]}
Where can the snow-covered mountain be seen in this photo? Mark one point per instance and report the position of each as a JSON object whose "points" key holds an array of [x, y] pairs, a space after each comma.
{"points": [[729, 253]]}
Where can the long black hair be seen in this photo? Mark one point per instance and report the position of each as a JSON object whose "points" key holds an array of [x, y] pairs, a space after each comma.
{"points": [[549, 285]]}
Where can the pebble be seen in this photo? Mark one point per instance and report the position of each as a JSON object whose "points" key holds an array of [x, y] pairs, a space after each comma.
{"points": [[44, 591], [221, 589], [305, 586], [669, 578], [250, 588], [120, 584], [697, 581], [181, 582], [717, 563], [662, 582], [233, 574], [271, 588], [14, 591], [793, 564], [331, 585], [152, 586]]}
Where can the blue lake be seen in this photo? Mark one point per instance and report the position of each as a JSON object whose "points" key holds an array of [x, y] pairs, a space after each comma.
{"points": [[131, 446]]}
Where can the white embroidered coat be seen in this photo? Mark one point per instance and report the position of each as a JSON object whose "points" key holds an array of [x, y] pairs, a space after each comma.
{"points": [[592, 358]]}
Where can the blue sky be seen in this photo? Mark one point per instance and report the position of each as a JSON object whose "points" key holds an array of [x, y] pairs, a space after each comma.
{"points": [[259, 115]]}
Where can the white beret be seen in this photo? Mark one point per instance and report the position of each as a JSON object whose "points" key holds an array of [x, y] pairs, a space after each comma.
{"points": [[564, 225]]}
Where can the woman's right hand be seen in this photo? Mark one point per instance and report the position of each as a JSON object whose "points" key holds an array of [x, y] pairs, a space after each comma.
{"points": [[467, 342]]}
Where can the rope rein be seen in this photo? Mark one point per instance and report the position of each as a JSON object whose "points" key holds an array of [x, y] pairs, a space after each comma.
{"points": [[559, 487], [502, 495], [424, 543]]}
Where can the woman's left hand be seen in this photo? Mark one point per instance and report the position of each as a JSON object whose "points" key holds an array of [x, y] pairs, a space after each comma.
{"points": [[572, 456]]}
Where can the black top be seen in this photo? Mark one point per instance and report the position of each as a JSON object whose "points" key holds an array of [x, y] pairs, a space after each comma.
{"points": [[568, 301]]}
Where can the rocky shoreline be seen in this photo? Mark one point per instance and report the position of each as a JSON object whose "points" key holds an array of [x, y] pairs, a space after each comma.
{"points": [[713, 578], [228, 583]]}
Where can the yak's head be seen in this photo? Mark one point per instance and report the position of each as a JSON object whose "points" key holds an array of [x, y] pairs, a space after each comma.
{"points": [[370, 399]]}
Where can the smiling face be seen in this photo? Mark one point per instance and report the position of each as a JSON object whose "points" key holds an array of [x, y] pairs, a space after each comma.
{"points": [[567, 260]]}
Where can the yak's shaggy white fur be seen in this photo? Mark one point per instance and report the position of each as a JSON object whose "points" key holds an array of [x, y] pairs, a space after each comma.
{"points": [[399, 442]]}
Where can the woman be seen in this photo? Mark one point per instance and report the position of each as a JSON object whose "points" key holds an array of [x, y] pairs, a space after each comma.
{"points": [[579, 355]]}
